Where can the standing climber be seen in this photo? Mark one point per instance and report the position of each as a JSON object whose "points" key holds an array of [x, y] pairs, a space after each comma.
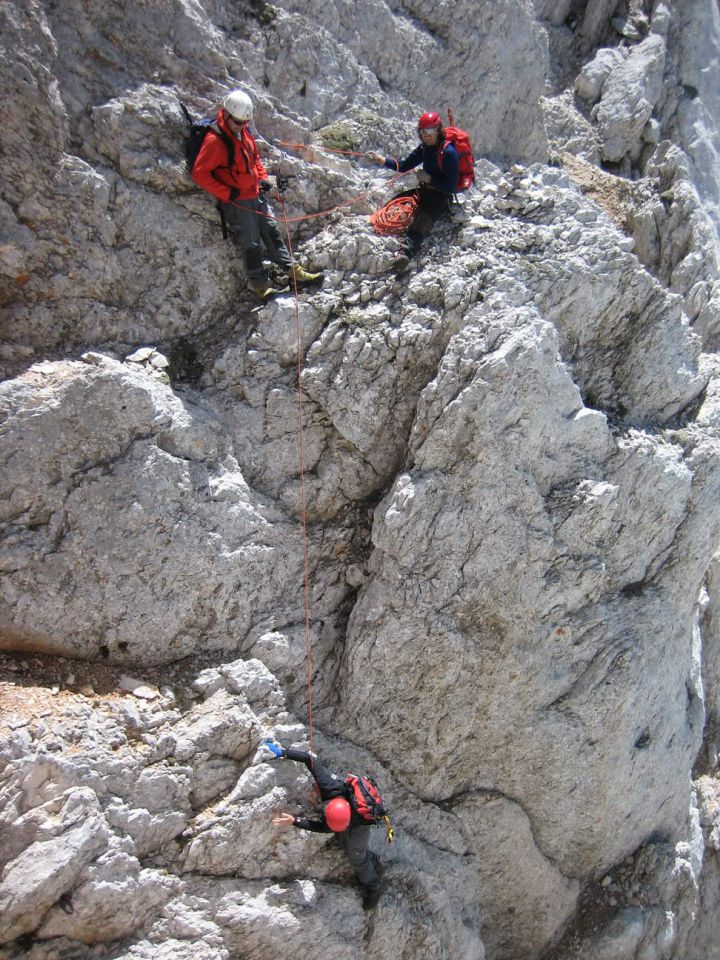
{"points": [[343, 816], [437, 181], [240, 184]]}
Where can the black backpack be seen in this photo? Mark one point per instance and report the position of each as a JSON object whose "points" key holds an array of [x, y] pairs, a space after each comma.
{"points": [[197, 131]]}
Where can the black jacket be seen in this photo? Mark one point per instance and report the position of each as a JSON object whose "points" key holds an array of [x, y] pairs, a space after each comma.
{"points": [[329, 785]]}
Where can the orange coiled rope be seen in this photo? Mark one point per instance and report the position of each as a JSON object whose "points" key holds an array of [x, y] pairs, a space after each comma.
{"points": [[396, 215]]}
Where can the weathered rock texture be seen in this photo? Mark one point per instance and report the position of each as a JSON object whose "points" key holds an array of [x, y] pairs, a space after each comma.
{"points": [[510, 480]]}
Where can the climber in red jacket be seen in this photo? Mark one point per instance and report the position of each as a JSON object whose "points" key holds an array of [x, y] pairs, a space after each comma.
{"points": [[241, 189]]}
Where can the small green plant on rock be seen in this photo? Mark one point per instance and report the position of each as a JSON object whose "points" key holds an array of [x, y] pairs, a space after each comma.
{"points": [[263, 12], [358, 319], [339, 136]]}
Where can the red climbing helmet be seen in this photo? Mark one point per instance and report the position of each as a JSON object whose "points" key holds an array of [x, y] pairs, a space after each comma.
{"points": [[337, 814], [429, 120]]}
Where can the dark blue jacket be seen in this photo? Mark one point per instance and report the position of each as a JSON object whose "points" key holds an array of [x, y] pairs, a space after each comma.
{"points": [[445, 179]]}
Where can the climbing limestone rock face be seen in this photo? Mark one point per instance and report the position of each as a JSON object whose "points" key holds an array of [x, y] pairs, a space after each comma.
{"points": [[104, 455], [702, 938], [510, 483], [50, 856], [646, 96], [514, 646], [629, 95], [496, 96], [692, 106], [219, 874], [105, 158], [591, 79]]}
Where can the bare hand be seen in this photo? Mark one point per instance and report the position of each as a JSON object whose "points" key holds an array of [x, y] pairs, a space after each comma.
{"points": [[284, 820], [374, 157]]}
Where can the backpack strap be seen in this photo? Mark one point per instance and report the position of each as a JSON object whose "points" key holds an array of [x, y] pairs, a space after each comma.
{"points": [[441, 152], [228, 141]]}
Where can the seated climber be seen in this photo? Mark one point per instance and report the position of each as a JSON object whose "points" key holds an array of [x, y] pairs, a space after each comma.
{"points": [[343, 815], [437, 182], [240, 182]]}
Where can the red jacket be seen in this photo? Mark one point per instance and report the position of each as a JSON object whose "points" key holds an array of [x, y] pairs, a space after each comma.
{"points": [[212, 172]]}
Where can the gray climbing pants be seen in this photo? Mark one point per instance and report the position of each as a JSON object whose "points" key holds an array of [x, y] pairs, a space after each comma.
{"points": [[356, 841], [252, 228]]}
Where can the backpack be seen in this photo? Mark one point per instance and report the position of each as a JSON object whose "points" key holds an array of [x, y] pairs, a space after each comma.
{"points": [[460, 139], [365, 798], [197, 131]]}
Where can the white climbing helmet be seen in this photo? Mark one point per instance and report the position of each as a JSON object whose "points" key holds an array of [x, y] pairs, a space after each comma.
{"points": [[239, 105]]}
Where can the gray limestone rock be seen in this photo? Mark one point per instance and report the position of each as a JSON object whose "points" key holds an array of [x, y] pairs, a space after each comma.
{"points": [[554, 11], [629, 94], [594, 22], [502, 601], [49, 867], [591, 79], [109, 445], [702, 937]]}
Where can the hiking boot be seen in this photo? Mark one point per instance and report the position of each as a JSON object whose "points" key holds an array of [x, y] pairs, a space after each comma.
{"points": [[401, 262], [264, 290], [304, 276], [370, 896]]}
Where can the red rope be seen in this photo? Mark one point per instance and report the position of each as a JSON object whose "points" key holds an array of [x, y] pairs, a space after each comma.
{"points": [[301, 431], [310, 146], [303, 510], [321, 213]]}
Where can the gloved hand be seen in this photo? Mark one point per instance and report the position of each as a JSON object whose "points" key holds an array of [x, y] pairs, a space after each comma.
{"points": [[274, 749], [265, 185], [422, 176]]}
